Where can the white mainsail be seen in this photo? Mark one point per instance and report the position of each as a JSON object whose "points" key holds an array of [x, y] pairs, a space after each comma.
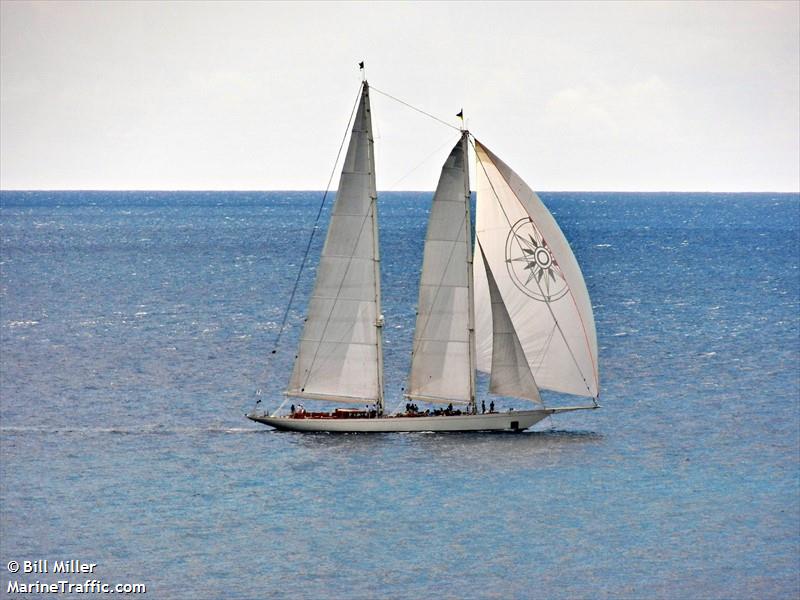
{"points": [[442, 363], [538, 281], [340, 357]]}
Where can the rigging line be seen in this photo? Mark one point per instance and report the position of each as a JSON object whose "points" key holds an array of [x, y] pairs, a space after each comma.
{"points": [[313, 230], [277, 410], [547, 303], [419, 110], [546, 348], [422, 162]]}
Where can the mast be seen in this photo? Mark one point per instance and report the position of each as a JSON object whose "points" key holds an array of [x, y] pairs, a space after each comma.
{"points": [[473, 405], [376, 253]]}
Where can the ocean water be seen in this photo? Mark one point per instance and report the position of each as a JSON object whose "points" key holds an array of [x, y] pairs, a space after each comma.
{"points": [[136, 327]]}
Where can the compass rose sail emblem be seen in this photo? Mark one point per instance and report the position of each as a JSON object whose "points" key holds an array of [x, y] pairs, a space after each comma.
{"points": [[531, 265]]}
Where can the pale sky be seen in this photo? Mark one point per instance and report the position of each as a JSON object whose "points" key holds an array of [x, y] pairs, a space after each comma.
{"points": [[573, 96]]}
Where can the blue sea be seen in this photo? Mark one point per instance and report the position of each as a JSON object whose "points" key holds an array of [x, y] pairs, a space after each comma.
{"points": [[137, 327]]}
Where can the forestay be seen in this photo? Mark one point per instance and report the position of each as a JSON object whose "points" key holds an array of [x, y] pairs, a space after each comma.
{"points": [[537, 279], [339, 356]]}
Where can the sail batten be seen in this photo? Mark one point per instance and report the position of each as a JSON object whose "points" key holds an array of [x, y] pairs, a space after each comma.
{"points": [[339, 354]]}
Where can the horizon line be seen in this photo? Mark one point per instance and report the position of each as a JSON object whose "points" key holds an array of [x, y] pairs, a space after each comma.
{"points": [[563, 191]]}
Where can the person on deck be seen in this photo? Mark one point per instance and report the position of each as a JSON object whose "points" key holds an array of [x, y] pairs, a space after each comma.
{"points": [[491, 406], [483, 407]]}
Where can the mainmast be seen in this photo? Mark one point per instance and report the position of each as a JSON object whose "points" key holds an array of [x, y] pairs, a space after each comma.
{"points": [[473, 406], [376, 253]]}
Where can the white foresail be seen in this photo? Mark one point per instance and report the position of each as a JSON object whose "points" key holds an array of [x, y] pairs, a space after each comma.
{"points": [[442, 360], [510, 373], [539, 282], [339, 356]]}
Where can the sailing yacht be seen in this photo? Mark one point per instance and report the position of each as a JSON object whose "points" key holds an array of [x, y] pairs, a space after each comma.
{"points": [[509, 301]]}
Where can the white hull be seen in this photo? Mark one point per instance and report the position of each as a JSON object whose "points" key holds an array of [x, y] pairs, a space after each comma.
{"points": [[507, 421]]}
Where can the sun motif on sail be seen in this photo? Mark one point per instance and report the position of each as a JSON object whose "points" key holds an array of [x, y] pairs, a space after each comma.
{"points": [[531, 264]]}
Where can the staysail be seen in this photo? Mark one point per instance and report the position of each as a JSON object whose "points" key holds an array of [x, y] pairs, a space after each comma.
{"points": [[510, 373], [340, 356], [442, 363], [537, 279]]}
